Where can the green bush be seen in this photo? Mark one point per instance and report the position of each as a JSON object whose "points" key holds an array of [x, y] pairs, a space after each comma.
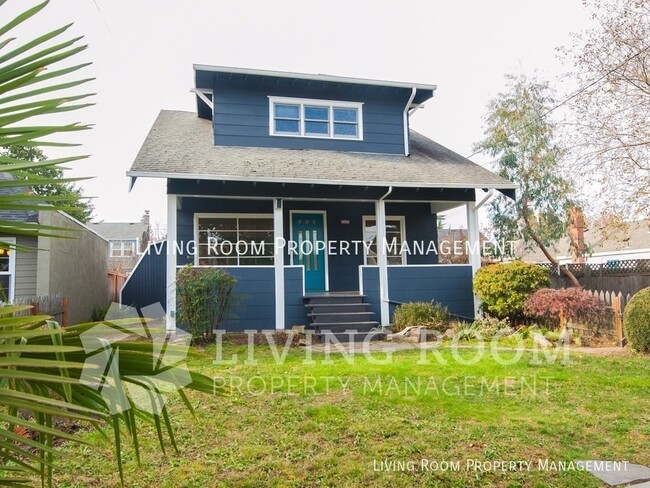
{"points": [[204, 299], [636, 321], [503, 288], [430, 314], [99, 313]]}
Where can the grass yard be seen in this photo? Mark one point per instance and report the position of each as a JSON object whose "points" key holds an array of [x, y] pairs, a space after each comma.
{"points": [[331, 428]]}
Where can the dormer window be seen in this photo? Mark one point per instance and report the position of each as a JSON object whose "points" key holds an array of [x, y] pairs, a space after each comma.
{"points": [[299, 117]]}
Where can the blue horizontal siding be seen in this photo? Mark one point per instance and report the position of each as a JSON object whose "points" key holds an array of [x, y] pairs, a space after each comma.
{"points": [[370, 285], [254, 296], [241, 118], [147, 283], [295, 312], [449, 285]]}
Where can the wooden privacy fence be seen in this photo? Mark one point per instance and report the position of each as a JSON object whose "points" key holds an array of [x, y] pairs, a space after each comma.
{"points": [[115, 282], [616, 303], [624, 276], [55, 305]]}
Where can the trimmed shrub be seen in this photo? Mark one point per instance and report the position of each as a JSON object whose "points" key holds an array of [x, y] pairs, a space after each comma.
{"points": [[636, 321], [503, 288], [571, 303], [429, 314], [204, 299]]}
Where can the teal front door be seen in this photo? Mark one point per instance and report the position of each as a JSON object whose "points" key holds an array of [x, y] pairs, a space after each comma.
{"points": [[308, 236]]}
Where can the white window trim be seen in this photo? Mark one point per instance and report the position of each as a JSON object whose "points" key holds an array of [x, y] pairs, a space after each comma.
{"points": [[198, 216], [136, 250], [12, 268], [329, 104], [402, 221]]}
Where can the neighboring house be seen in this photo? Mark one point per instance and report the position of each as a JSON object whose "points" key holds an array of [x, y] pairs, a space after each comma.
{"points": [[598, 245], [127, 241], [301, 161], [74, 266]]}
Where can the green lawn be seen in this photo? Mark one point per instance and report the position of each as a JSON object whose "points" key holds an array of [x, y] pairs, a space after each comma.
{"points": [[330, 426]]}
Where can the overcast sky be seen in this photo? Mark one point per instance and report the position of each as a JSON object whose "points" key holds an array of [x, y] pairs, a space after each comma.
{"points": [[143, 51]]}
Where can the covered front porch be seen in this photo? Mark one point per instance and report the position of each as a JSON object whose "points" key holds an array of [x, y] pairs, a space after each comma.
{"points": [[324, 241]]}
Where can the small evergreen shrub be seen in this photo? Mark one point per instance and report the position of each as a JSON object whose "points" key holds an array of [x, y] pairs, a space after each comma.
{"points": [[571, 303], [636, 321], [430, 314], [204, 298], [503, 288]]}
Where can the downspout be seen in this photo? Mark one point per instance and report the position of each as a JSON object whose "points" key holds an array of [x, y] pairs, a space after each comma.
{"points": [[406, 123], [390, 190]]}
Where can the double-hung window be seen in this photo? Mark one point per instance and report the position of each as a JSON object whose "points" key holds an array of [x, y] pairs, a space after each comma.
{"points": [[315, 118], [394, 238], [7, 271], [123, 248]]}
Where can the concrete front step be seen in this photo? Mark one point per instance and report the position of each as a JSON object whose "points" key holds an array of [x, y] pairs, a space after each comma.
{"points": [[338, 307], [347, 337], [343, 326], [339, 317], [334, 299]]}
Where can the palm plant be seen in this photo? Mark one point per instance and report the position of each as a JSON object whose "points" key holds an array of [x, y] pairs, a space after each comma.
{"points": [[47, 372]]}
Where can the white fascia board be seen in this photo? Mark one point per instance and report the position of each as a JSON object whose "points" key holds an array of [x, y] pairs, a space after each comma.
{"points": [[311, 77], [396, 184]]}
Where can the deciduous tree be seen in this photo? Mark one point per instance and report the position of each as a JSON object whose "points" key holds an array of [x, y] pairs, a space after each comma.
{"points": [[611, 110], [521, 137], [78, 207]]}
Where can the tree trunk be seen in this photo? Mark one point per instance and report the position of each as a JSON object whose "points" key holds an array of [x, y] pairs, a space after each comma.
{"points": [[565, 271]]}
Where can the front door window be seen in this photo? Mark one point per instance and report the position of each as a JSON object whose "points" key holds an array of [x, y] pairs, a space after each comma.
{"points": [[308, 232]]}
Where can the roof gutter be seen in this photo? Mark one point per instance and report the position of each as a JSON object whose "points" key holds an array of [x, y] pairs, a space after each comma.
{"points": [[314, 181], [407, 150]]}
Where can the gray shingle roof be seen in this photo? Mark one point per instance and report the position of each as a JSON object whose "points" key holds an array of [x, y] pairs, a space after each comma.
{"points": [[15, 215], [120, 230], [608, 240], [181, 145]]}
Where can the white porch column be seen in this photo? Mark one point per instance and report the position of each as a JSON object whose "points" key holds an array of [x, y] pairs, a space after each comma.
{"points": [[278, 236], [473, 240], [171, 262], [382, 261]]}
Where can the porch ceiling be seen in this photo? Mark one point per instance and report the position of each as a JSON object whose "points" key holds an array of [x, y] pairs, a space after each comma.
{"points": [[181, 145]]}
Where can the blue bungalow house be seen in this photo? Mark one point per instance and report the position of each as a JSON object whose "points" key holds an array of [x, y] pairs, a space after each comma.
{"points": [[289, 181]]}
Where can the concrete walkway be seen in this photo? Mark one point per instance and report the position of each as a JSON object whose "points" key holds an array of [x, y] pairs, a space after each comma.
{"points": [[627, 474]]}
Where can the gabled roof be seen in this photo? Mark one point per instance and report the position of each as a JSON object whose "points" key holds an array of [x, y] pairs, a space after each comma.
{"points": [[181, 145], [120, 230], [612, 240]]}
